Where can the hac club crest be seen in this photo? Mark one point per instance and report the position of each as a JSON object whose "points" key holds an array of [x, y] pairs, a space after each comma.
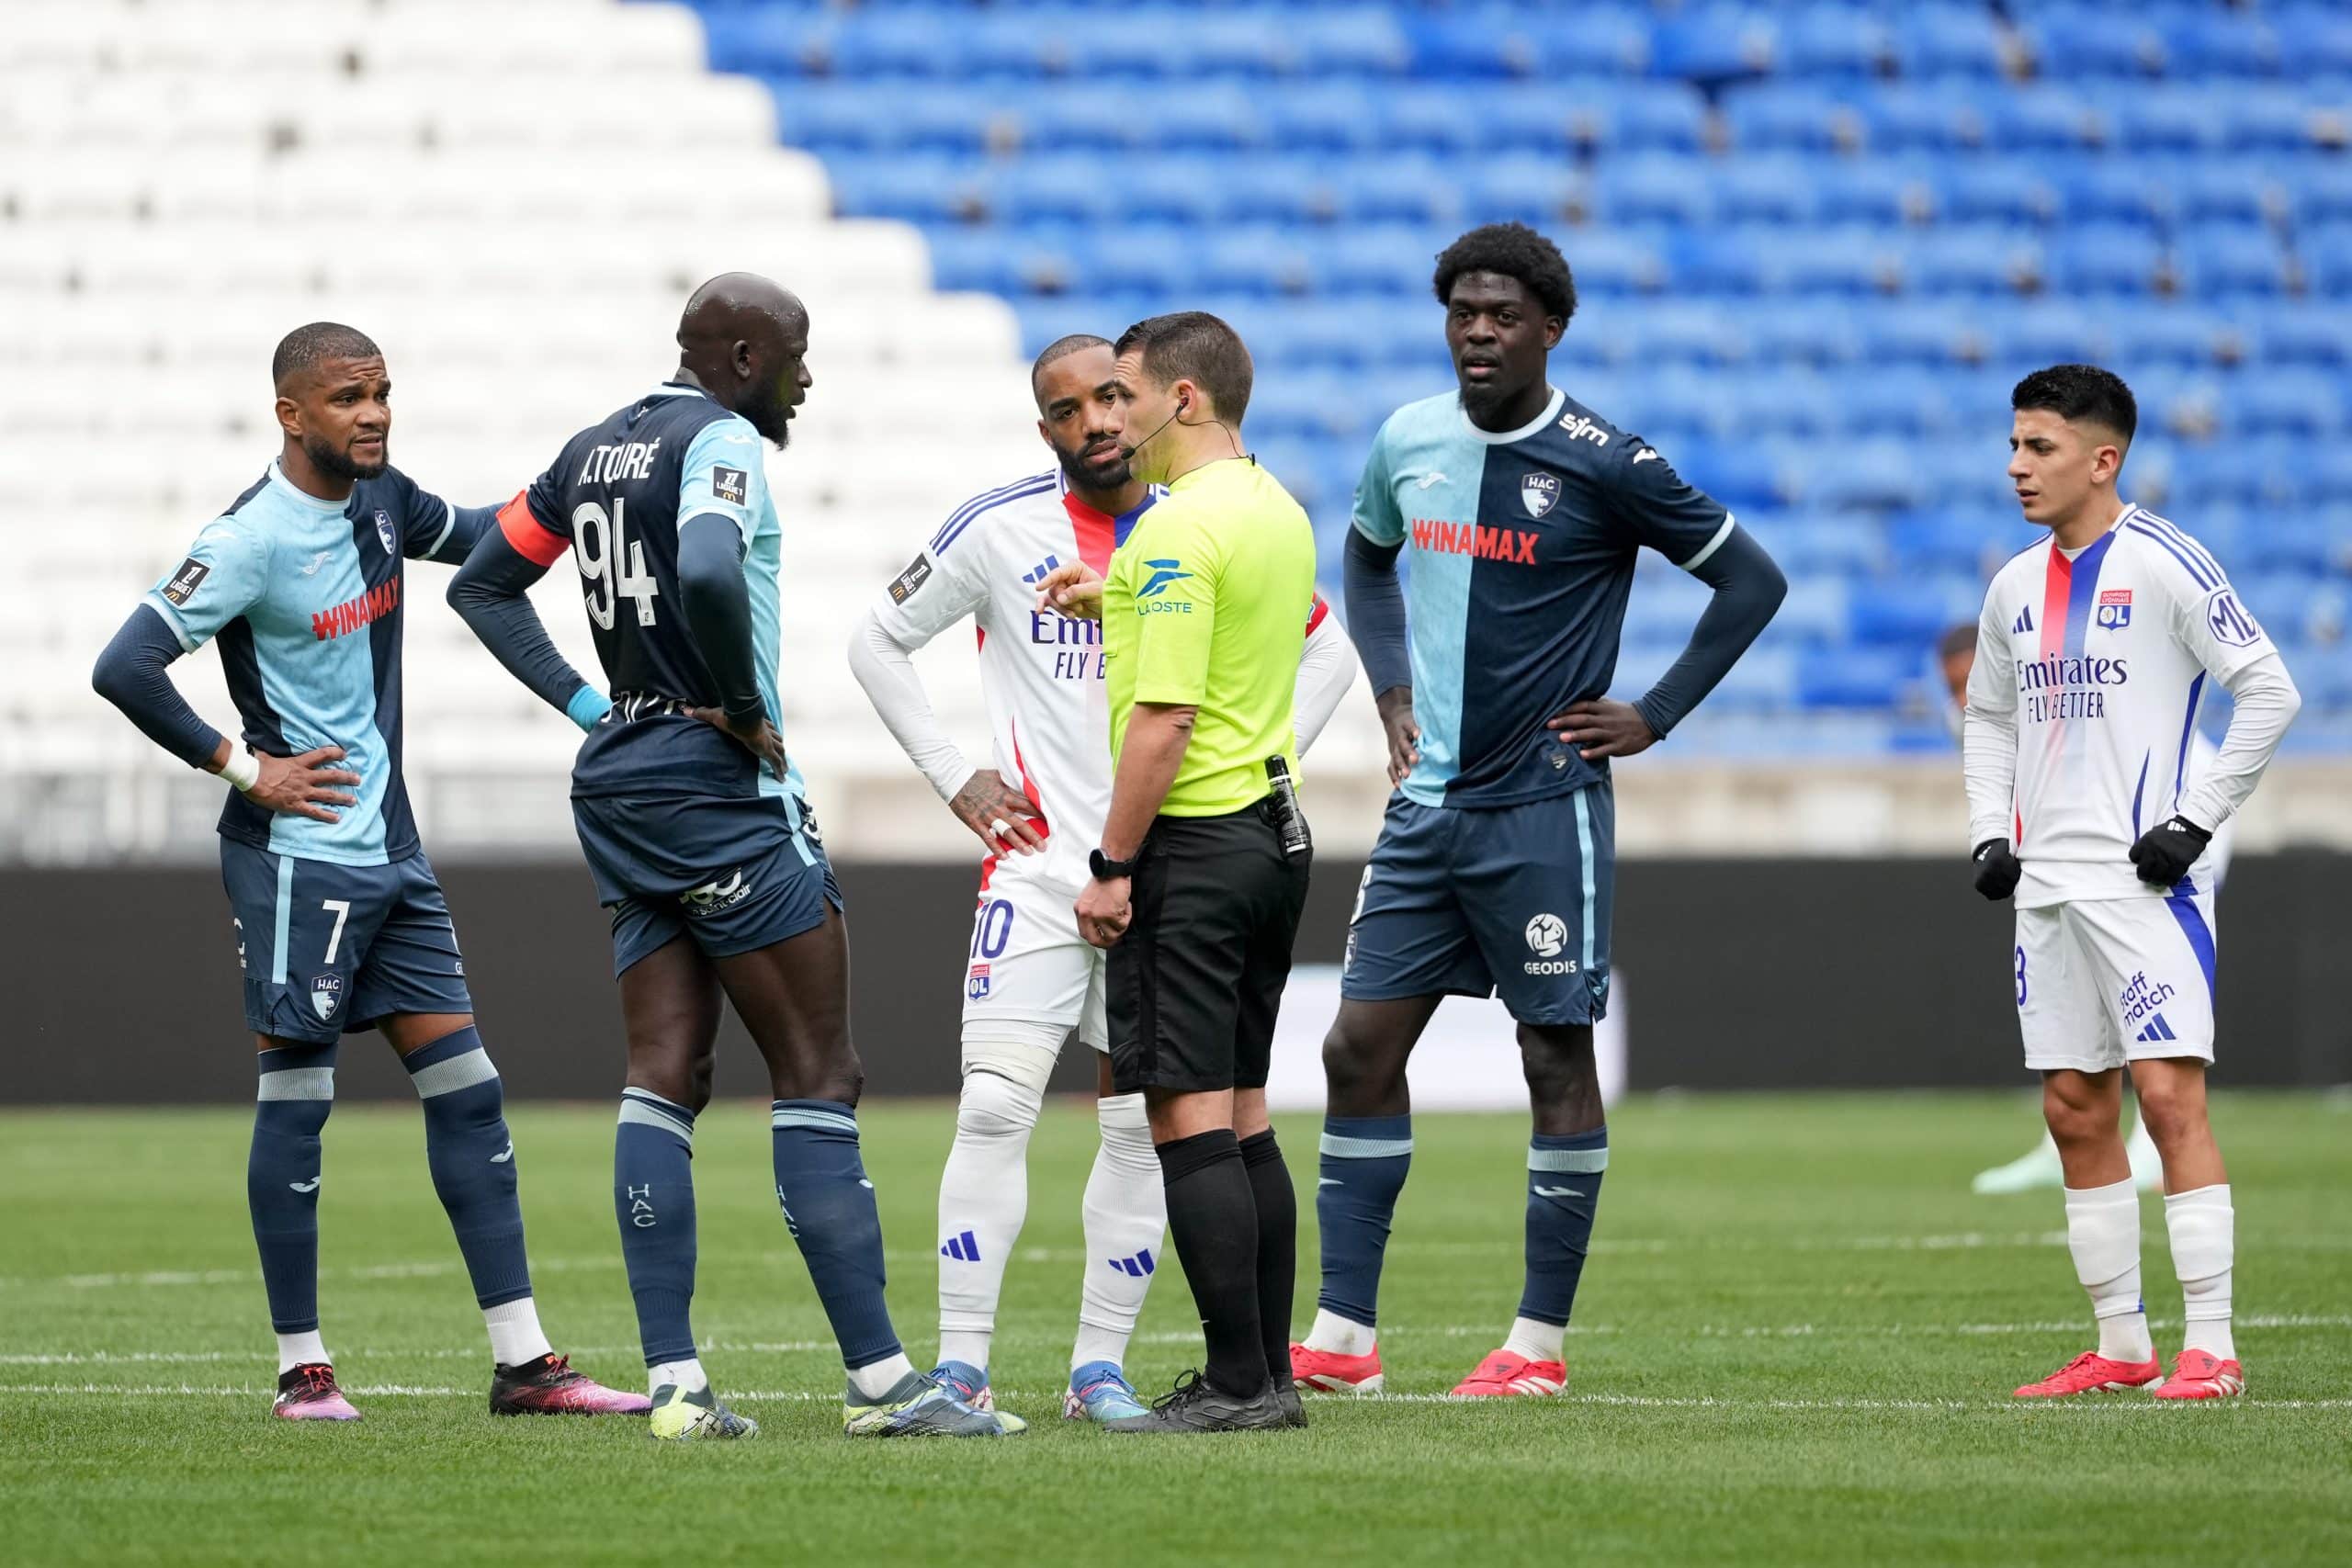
{"points": [[384, 532], [326, 993], [1541, 492]]}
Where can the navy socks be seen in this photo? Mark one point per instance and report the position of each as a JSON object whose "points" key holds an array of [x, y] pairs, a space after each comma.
{"points": [[295, 1093], [472, 1161]]}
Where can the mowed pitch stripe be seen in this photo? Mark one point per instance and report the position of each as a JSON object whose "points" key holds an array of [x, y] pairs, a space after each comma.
{"points": [[1453, 1331]]}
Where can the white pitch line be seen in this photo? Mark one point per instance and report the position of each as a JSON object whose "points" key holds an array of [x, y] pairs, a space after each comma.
{"points": [[1956, 1241], [2255, 1322]]}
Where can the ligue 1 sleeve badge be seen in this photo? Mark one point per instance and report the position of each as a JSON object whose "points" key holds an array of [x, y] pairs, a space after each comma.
{"points": [[2114, 608]]}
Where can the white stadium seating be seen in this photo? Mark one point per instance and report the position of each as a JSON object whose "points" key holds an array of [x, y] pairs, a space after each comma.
{"points": [[514, 199]]}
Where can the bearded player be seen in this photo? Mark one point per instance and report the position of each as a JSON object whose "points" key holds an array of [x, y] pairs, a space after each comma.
{"points": [[1031, 978], [2093, 653], [341, 923]]}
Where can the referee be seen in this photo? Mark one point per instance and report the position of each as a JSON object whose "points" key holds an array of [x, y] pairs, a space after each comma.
{"points": [[1203, 868]]}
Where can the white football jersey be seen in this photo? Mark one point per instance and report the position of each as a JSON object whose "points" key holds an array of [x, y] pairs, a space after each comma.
{"points": [[1041, 671], [2101, 661]]}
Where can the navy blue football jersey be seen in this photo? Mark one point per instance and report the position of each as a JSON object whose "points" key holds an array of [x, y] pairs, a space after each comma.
{"points": [[616, 497]]}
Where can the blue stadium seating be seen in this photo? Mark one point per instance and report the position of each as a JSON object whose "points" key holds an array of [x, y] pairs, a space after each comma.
{"points": [[1815, 242]]}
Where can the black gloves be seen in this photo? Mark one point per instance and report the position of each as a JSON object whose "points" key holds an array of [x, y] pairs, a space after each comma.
{"points": [[2166, 850], [1996, 870]]}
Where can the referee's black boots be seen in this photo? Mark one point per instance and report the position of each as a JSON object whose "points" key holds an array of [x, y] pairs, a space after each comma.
{"points": [[1197, 1404]]}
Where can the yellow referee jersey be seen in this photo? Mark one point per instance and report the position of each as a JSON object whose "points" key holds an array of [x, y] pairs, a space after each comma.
{"points": [[1206, 604]]}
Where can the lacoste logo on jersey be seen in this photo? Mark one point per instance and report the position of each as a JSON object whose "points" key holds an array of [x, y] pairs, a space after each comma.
{"points": [[2024, 623], [1541, 492], [384, 534], [1428, 479], [326, 991], [316, 562], [2114, 608], [1138, 1266], [310, 1186], [903, 586], [1645, 455], [187, 581], [1163, 572], [1038, 573], [1557, 1192], [731, 485], [502, 1156], [2229, 622], [1580, 428]]}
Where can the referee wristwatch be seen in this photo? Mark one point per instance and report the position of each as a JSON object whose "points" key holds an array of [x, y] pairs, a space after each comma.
{"points": [[1105, 869]]}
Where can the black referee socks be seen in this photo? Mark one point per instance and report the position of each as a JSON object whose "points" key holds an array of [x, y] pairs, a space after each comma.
{"points": [[1213, 1215], [1277, 1203]]}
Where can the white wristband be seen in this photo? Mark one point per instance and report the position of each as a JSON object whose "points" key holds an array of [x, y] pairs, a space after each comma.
{"points": [[241, 770]]}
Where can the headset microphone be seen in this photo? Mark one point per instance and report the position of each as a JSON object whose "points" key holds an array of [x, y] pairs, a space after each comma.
{"points": [[1128, 453]]}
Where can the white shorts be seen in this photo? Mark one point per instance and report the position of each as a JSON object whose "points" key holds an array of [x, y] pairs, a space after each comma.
{"points": [[2106, 981], [1028, 965]]}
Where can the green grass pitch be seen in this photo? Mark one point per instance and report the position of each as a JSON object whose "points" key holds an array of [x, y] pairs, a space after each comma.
{"points": [[1795, 1344]]}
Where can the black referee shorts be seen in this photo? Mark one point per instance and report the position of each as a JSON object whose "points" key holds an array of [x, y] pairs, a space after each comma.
{"points": [[1196, 983]]}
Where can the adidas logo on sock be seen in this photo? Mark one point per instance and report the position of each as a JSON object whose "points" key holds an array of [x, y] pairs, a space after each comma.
{"points": [[965, 1249], [2157, 1030], [1138, 1267]]}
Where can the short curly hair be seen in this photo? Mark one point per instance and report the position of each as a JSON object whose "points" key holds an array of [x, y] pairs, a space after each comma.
{"points": [[2083, 393], [1510, 249]]}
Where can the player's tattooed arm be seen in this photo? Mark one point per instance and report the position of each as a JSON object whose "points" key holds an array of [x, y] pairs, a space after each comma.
{"points": [[1005, 819]]}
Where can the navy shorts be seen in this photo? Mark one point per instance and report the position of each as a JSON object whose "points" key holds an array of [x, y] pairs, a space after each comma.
{"points": [[328, 949], [735, 873], [1469, 901]]}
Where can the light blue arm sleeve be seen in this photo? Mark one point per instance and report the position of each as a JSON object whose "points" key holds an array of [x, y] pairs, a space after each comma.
{"points": [[1376, 517], [227, 570], [723, 474]]}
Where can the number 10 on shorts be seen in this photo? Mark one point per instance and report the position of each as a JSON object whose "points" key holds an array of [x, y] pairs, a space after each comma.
{"points": [[992, 931]]}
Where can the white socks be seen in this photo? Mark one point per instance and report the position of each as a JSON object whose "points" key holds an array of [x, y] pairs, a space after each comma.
{"points": [[2202, 1226], [515, 1335], [688, 1374], [307, 1350], [2103, 1233], [983, 1199], [1126, 1214], [1536, 1341], [1340, 1336], [874, 1382]]}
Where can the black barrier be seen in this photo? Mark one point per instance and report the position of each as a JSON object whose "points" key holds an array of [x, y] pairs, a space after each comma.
{"points": [[121, 983]]}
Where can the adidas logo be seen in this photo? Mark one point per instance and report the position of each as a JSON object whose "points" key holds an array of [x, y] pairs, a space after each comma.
{"points": [[2024, 622], [1037, 574], [2157, 1030], [965, 1249], [1138, 1267]]}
